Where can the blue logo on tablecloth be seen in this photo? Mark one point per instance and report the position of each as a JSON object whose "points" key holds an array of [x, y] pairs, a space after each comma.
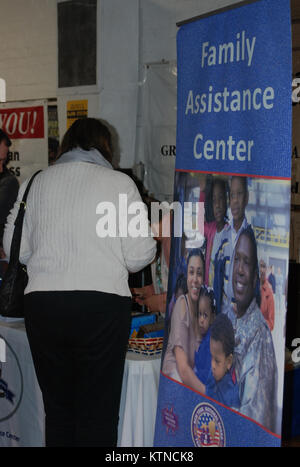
{"points": [[11, 389], [207, 427], [5, 392]]}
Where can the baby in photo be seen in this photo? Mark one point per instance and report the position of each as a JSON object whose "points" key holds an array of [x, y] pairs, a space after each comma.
{"points": [[221, 384]]}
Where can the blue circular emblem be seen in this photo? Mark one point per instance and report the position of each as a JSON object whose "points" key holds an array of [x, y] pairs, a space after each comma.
{"points": [[11, 384], [207, 427]]}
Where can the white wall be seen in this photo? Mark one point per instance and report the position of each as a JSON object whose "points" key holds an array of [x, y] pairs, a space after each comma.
{"points": [[28, 48], [130, 34], [133, 33], [158, 30], [118, 70], [158, 24]]}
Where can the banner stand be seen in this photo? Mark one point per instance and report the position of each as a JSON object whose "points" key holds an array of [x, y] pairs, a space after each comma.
{"points": [[223, 361]]}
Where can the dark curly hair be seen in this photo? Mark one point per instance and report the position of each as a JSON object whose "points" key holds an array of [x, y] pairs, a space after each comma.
{"points": [[209, 293], [195, 252], [209, 213], [222, 331], [181, 284]]}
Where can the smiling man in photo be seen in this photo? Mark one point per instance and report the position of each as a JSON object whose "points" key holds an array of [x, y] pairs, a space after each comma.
{"points": [[254, 351]]}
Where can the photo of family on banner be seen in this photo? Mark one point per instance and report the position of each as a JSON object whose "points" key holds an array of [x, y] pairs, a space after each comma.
{"points": [[222, 370]]}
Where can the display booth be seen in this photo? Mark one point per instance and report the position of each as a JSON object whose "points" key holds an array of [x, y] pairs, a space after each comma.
{"points": [[233, 183], [222, 380]]}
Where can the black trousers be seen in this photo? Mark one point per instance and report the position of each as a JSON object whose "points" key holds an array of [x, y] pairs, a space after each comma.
{"points": [[78, 342]]}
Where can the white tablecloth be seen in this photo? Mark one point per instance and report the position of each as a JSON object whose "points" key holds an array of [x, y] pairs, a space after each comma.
{"points": [[138, 400], [21, 405]]}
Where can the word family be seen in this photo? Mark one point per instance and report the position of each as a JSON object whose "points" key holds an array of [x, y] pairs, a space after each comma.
{"points": [[242, 48]]}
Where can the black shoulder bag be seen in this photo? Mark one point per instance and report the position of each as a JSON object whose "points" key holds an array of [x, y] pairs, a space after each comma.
{"points": [[15, 278]]}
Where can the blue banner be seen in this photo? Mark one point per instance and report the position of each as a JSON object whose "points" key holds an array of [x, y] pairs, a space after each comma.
{"points": [[223, 360], [234, 92], [183, 419]]}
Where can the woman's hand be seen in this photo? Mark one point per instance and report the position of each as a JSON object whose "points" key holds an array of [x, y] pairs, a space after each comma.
{"points": [[142, 292], [154, 303]]}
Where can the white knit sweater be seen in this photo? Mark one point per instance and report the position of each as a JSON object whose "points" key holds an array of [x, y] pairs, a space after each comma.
{"points": [[60, 245]]}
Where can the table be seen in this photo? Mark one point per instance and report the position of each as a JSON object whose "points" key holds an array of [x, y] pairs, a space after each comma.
{"points": [[139, 400], [21, 405]]}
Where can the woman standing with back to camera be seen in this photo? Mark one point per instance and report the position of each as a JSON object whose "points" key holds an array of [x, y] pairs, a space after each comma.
{"points": [[77, 301]]}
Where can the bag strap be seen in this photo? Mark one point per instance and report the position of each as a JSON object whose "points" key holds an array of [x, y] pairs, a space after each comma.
{"points": [[16, 239]]}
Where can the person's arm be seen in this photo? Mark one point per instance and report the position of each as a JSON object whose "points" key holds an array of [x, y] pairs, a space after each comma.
{"points": [[138, 251], [184, 368], [140, 293], [9, 188], [155, 302], [178, 344], [186, 373], [25, 249], [258, 380], [2, 254], [271, 310]]}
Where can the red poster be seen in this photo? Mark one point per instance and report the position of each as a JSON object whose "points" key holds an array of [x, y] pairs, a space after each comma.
{"points": [[23, 122]]}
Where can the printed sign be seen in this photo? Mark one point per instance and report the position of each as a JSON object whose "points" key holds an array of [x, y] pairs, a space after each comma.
{"points": [[223, 359], [76, 110], [26, 126], [21, 123]]}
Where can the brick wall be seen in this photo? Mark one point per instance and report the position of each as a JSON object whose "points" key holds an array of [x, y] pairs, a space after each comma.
{"points": [[28, 48]]}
